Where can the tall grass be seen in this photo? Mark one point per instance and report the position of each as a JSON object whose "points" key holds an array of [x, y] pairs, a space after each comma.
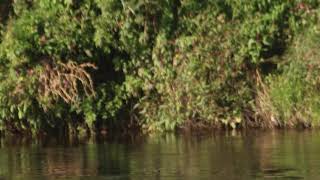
{"points": [[291, 97]]}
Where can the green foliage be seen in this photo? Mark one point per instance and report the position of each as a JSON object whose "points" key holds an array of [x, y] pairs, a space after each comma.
{"points": [[39, 37], [206, 71], [294, 91], [168, 63]]}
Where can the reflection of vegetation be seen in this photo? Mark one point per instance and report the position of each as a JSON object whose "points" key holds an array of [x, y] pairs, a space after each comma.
{"points": [[244, 156], [88, 65]]}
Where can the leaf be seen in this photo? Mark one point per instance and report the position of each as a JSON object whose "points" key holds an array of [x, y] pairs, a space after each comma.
{"points": [[88, 53]]}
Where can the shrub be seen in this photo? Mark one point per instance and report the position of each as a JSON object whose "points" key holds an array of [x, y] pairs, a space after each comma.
{"points": [[292, 95], [157, 64]]}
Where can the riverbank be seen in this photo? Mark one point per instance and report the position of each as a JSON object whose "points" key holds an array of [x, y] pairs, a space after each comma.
{"points": [[122, 133]]}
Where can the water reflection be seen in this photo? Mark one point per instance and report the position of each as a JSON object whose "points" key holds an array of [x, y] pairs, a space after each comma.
{"points": [[240, 156]]}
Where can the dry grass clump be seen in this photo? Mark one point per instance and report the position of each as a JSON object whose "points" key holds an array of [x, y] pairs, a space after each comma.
{"points": [[265, 115], [65, 80]]}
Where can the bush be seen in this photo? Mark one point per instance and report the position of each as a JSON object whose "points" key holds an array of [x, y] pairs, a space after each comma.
{"points": [[207, 74], [293, 93], [161, 65]]}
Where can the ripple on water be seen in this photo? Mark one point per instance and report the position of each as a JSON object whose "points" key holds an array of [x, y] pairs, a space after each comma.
{"points": [[280, 173]]}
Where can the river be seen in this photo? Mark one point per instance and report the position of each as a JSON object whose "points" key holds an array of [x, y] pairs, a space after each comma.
{"points": [[216, 156]]}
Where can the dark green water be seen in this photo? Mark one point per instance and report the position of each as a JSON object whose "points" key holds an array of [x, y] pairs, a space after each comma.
{"points": [[234, 156]]}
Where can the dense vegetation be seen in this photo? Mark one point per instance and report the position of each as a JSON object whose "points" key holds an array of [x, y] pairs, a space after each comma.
{"points": [[96, 65]]}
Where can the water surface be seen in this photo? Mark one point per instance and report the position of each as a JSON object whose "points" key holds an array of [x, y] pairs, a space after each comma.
{"points": [[223, 156]]}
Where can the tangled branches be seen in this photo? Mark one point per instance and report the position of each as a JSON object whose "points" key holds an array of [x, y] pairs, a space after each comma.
{"points": [[64, 80]]}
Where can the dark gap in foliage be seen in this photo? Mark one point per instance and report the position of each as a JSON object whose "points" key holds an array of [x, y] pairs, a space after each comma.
{"points": [[5, 9]]}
